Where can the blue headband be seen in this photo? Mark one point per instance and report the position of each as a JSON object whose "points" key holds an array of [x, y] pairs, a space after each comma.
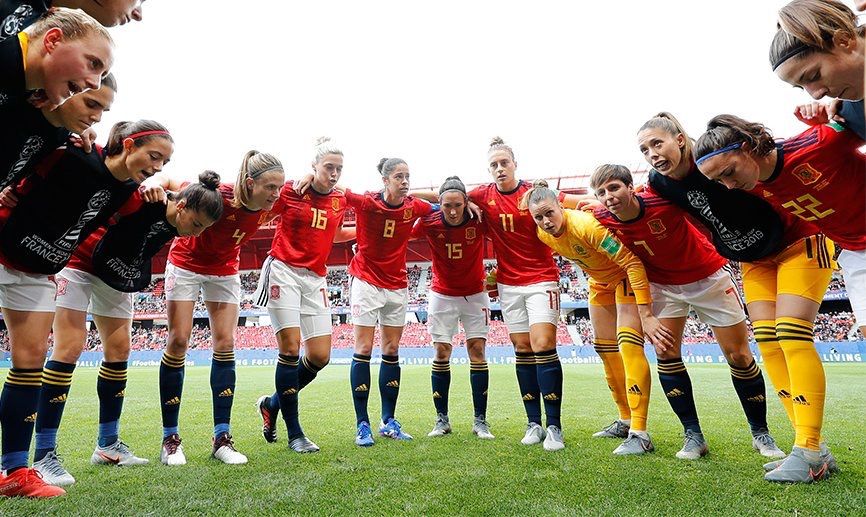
{"points": [[723, 150]]}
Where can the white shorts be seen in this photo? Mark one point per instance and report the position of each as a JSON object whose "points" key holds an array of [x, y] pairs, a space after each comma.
{"points": [[85, 292], [371, 304], [26, 292], [472, 311], [182, 285], [853, 265], [715, 300], [295, 297], [525, 305]]}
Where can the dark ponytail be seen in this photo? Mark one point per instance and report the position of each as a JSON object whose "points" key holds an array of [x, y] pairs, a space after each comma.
{"points": [[727, 130]]}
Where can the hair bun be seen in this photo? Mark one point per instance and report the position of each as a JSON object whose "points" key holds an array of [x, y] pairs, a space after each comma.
{"points": [[321, 140], [381, 164], [496, 140], [209, 179], [540, 183]]}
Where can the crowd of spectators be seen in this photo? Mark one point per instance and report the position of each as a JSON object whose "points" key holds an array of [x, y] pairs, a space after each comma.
{"points": [[838, 326]]}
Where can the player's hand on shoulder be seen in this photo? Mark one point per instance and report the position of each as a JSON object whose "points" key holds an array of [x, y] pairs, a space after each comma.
{"points": [[474, 211], [8, 198], [302, 184], [817, 113], [153, 193]]}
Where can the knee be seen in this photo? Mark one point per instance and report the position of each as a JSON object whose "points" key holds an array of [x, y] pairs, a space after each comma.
{"points": [[740, 357], [390, 348], [476, 352], [224, 343], [443, 351], [668, 355], [318, 359]]}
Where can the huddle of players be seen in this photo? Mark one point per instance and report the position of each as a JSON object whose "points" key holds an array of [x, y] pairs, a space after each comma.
{"points": [[96, 250]]}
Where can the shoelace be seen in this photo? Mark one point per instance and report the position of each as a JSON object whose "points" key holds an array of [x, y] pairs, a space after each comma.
{"points": [[691, 442], [171, 446], [55, 468], [766, 439]]}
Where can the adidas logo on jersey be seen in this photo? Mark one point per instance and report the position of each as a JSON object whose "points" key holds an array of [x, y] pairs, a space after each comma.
{"points": [[800, 399], [231, 218], [393, 384], [756, 398], [492, 202], [290, 391], [783, 394], [172, 401], [436, 395], [59, 399], [635, 390], [529, 396], [120, 394], [551, 396], [676, 392], [440, 236], [226, 392], [362, 387], [31, 419]]}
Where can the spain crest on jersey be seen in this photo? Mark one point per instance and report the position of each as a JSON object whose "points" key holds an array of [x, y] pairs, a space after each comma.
{"points": [[656, 226], [470, 234], [407, 214], [335, 204], [806, 174]]}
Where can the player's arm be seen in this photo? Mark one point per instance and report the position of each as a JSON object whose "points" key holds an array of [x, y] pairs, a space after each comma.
{"points": [[574, 200], [603, 240], [154, 189], [345, 234], [425, 194]]}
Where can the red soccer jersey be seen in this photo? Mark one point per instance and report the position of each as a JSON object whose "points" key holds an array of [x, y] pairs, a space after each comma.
{"points": [[673, 251], [383, 237], [217, 251], [458, 255], [521, 259], [306, 227], [820, 176]]}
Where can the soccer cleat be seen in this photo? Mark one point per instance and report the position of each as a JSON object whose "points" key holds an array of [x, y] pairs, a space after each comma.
{"points": [[766, 445], [364, 438], [635, 444], [553, 441], [224, 450], [618, 429], [797, 468], [694, 446], [303, 444], [826, 455], [269, 419], [392, 429], [172, 451], [28, 482], [441, 427], [534, 434], [51, 469], [481, 428], [117, 453]]}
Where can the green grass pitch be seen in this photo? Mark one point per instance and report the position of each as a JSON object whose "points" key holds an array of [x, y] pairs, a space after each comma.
{"points": [[456, 474]]}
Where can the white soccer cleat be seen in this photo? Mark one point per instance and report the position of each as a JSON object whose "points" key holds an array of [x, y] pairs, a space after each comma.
{"points": [[117, 453], [481, 428], [172, 451], [694, 446], [534, 434], [554, 441], [766, 445], [52, 471], [224, 450], [441, 427]]}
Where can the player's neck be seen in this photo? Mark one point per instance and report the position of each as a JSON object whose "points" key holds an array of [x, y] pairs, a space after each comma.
{"points": [[767, 164], [117, 167], [630, 211], [320, 188], [507, 186], [171, 212], [392, 199], [52, 116], [682, 171]]}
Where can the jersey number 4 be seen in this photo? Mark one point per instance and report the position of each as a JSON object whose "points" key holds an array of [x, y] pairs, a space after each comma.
{"points": [[238, 236]]}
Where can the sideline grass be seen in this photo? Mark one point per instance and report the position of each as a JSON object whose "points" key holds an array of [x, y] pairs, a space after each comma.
{"points": [[456, 474]]}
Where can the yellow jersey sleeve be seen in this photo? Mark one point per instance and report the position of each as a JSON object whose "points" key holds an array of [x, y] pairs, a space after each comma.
{"points": [[604, 242]]}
